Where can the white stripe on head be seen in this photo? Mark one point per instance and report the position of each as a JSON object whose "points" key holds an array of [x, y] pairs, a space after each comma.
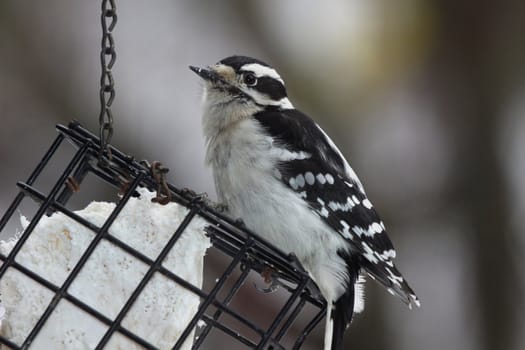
{"points": [[264, 100], [262, 71]]}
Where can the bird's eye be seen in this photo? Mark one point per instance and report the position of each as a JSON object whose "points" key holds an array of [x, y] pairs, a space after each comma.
{"points": [[250, 79]]}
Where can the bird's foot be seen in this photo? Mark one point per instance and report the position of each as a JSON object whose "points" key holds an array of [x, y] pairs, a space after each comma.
{"points": [[270, 278], [194, 196], [220, 207], [240, 223], [203, 198]]}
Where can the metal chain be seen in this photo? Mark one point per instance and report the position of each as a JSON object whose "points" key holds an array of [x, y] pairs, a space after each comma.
{"points": [[107, 84], [107, 95]]}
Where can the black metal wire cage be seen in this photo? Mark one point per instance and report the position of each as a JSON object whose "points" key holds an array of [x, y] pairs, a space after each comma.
{"points": [[245, 255]]}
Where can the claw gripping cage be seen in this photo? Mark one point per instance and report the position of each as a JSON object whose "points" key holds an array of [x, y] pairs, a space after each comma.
{"points": [[243, 256]]}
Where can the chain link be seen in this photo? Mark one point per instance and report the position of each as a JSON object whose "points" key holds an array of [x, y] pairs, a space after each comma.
{"points": [[107, 84]]}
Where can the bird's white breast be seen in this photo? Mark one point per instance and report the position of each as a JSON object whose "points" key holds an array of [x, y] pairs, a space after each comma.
{"points": [[244, 158]]}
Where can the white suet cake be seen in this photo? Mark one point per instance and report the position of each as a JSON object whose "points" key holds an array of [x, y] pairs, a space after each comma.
{"points": [[161, 312]]}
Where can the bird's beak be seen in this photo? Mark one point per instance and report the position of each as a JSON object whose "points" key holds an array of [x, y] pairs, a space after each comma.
{"points": [[206, 74], [220, 79]]}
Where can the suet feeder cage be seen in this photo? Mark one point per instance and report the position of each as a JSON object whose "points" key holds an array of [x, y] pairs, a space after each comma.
{"points": [[132, 274]]}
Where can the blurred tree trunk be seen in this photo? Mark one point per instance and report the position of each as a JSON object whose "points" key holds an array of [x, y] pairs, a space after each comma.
{"points": [[479, 54]]}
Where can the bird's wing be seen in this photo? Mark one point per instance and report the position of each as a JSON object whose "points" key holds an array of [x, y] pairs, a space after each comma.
{"points": [[317, 171]]}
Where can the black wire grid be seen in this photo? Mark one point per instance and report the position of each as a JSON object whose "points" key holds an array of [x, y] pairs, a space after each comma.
{"points": [[246, 253]]}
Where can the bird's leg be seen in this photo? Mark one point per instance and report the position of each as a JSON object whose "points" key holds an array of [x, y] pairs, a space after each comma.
{"points": [[220, 207], [203, 198], [294, 261], [197, 197], [269, 275], [240, 222]]}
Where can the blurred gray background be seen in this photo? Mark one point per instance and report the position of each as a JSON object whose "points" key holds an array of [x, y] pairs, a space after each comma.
{"points": [[425, 98]]}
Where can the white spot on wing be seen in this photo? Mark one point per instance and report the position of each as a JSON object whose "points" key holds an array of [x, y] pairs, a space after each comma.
{"points": [[309, 177], [346, 232], [321, 179], [366, 203], [342, 206], [300, 180], [369, 253], [370, 231], [329, 179], [285, 155], [394, 278], [415, 300], [376, 228], [388, 254], [358, 230], [292, 183], [324, 212]]}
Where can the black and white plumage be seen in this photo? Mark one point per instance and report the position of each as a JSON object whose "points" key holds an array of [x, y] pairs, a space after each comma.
{"points": [[278, 171]]}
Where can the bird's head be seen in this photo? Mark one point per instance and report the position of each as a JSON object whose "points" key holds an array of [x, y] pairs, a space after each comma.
{"points": [[244, 82]]}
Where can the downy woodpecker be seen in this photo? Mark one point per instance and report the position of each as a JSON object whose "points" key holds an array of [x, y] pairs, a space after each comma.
{"points": [[279, 172]]}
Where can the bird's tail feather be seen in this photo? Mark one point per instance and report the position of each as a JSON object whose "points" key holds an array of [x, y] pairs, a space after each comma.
{"points": [[392, 280], [329, 328], [338, 317], [339, 328], [339, 313]]}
